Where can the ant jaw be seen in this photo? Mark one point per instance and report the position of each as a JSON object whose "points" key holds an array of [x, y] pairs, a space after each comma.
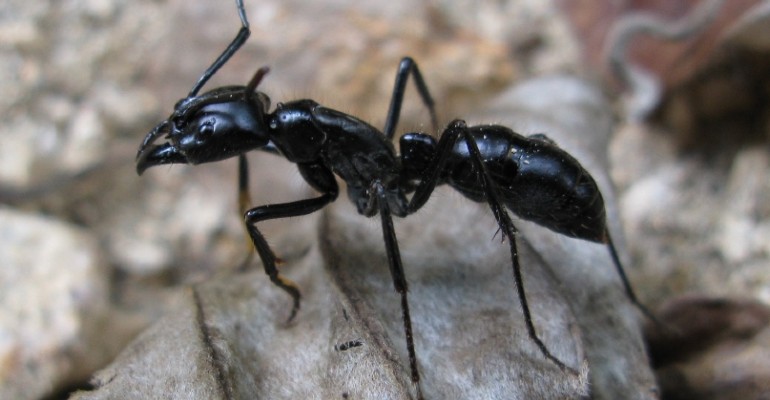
{"points": [[152, 137], [165, 153], [150, 155]]}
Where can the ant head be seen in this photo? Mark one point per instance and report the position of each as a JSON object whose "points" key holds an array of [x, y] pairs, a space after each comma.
{"points": [[216, 125]]}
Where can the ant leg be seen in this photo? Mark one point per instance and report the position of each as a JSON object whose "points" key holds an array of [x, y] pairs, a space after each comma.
{"points": [[244, 197], [233, 47], [509, 230], [443, 150], [405, 67], [320, 179], [626, 284], [244, 202], [430, 178], [399, 280], [269, 260]]}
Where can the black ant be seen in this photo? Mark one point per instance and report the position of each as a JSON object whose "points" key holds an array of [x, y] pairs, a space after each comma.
{"points": [[531, 176]]}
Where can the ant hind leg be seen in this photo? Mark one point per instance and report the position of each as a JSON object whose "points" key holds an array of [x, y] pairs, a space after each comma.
{"points": [[509, 230], [627, 284]]}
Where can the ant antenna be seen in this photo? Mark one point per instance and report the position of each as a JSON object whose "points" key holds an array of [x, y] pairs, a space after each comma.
{"points": [[236, 44]]}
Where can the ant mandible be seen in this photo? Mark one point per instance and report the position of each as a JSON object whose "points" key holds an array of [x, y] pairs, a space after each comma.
{"points": [[531, 176]]}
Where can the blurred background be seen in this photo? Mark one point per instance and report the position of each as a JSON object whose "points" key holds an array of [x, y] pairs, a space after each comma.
{"points": [[91, 254]]}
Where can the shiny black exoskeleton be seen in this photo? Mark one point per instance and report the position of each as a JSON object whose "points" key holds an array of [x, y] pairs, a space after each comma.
{"points": [[531, 176]]}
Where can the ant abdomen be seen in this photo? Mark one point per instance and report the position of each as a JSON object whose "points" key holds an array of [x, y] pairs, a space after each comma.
{"points": [[532, 176]]}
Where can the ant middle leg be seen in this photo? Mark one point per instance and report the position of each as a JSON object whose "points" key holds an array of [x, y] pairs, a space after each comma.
{"points": [[397, 273], [406, 67]]}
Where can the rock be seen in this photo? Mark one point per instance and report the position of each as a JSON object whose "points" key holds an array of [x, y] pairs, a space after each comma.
{"points": [[745, 219], [54, 307]]}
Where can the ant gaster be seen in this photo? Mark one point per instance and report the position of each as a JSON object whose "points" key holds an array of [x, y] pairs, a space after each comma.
{"points": [[531, 176]]}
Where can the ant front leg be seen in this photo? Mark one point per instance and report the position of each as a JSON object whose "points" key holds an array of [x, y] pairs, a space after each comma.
{"points": [[321, 179], [405, 67], [444, 151], [244, 203]]}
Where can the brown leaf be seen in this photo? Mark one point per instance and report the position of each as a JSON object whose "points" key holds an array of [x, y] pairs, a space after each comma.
{"points": [[716, 348]]}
